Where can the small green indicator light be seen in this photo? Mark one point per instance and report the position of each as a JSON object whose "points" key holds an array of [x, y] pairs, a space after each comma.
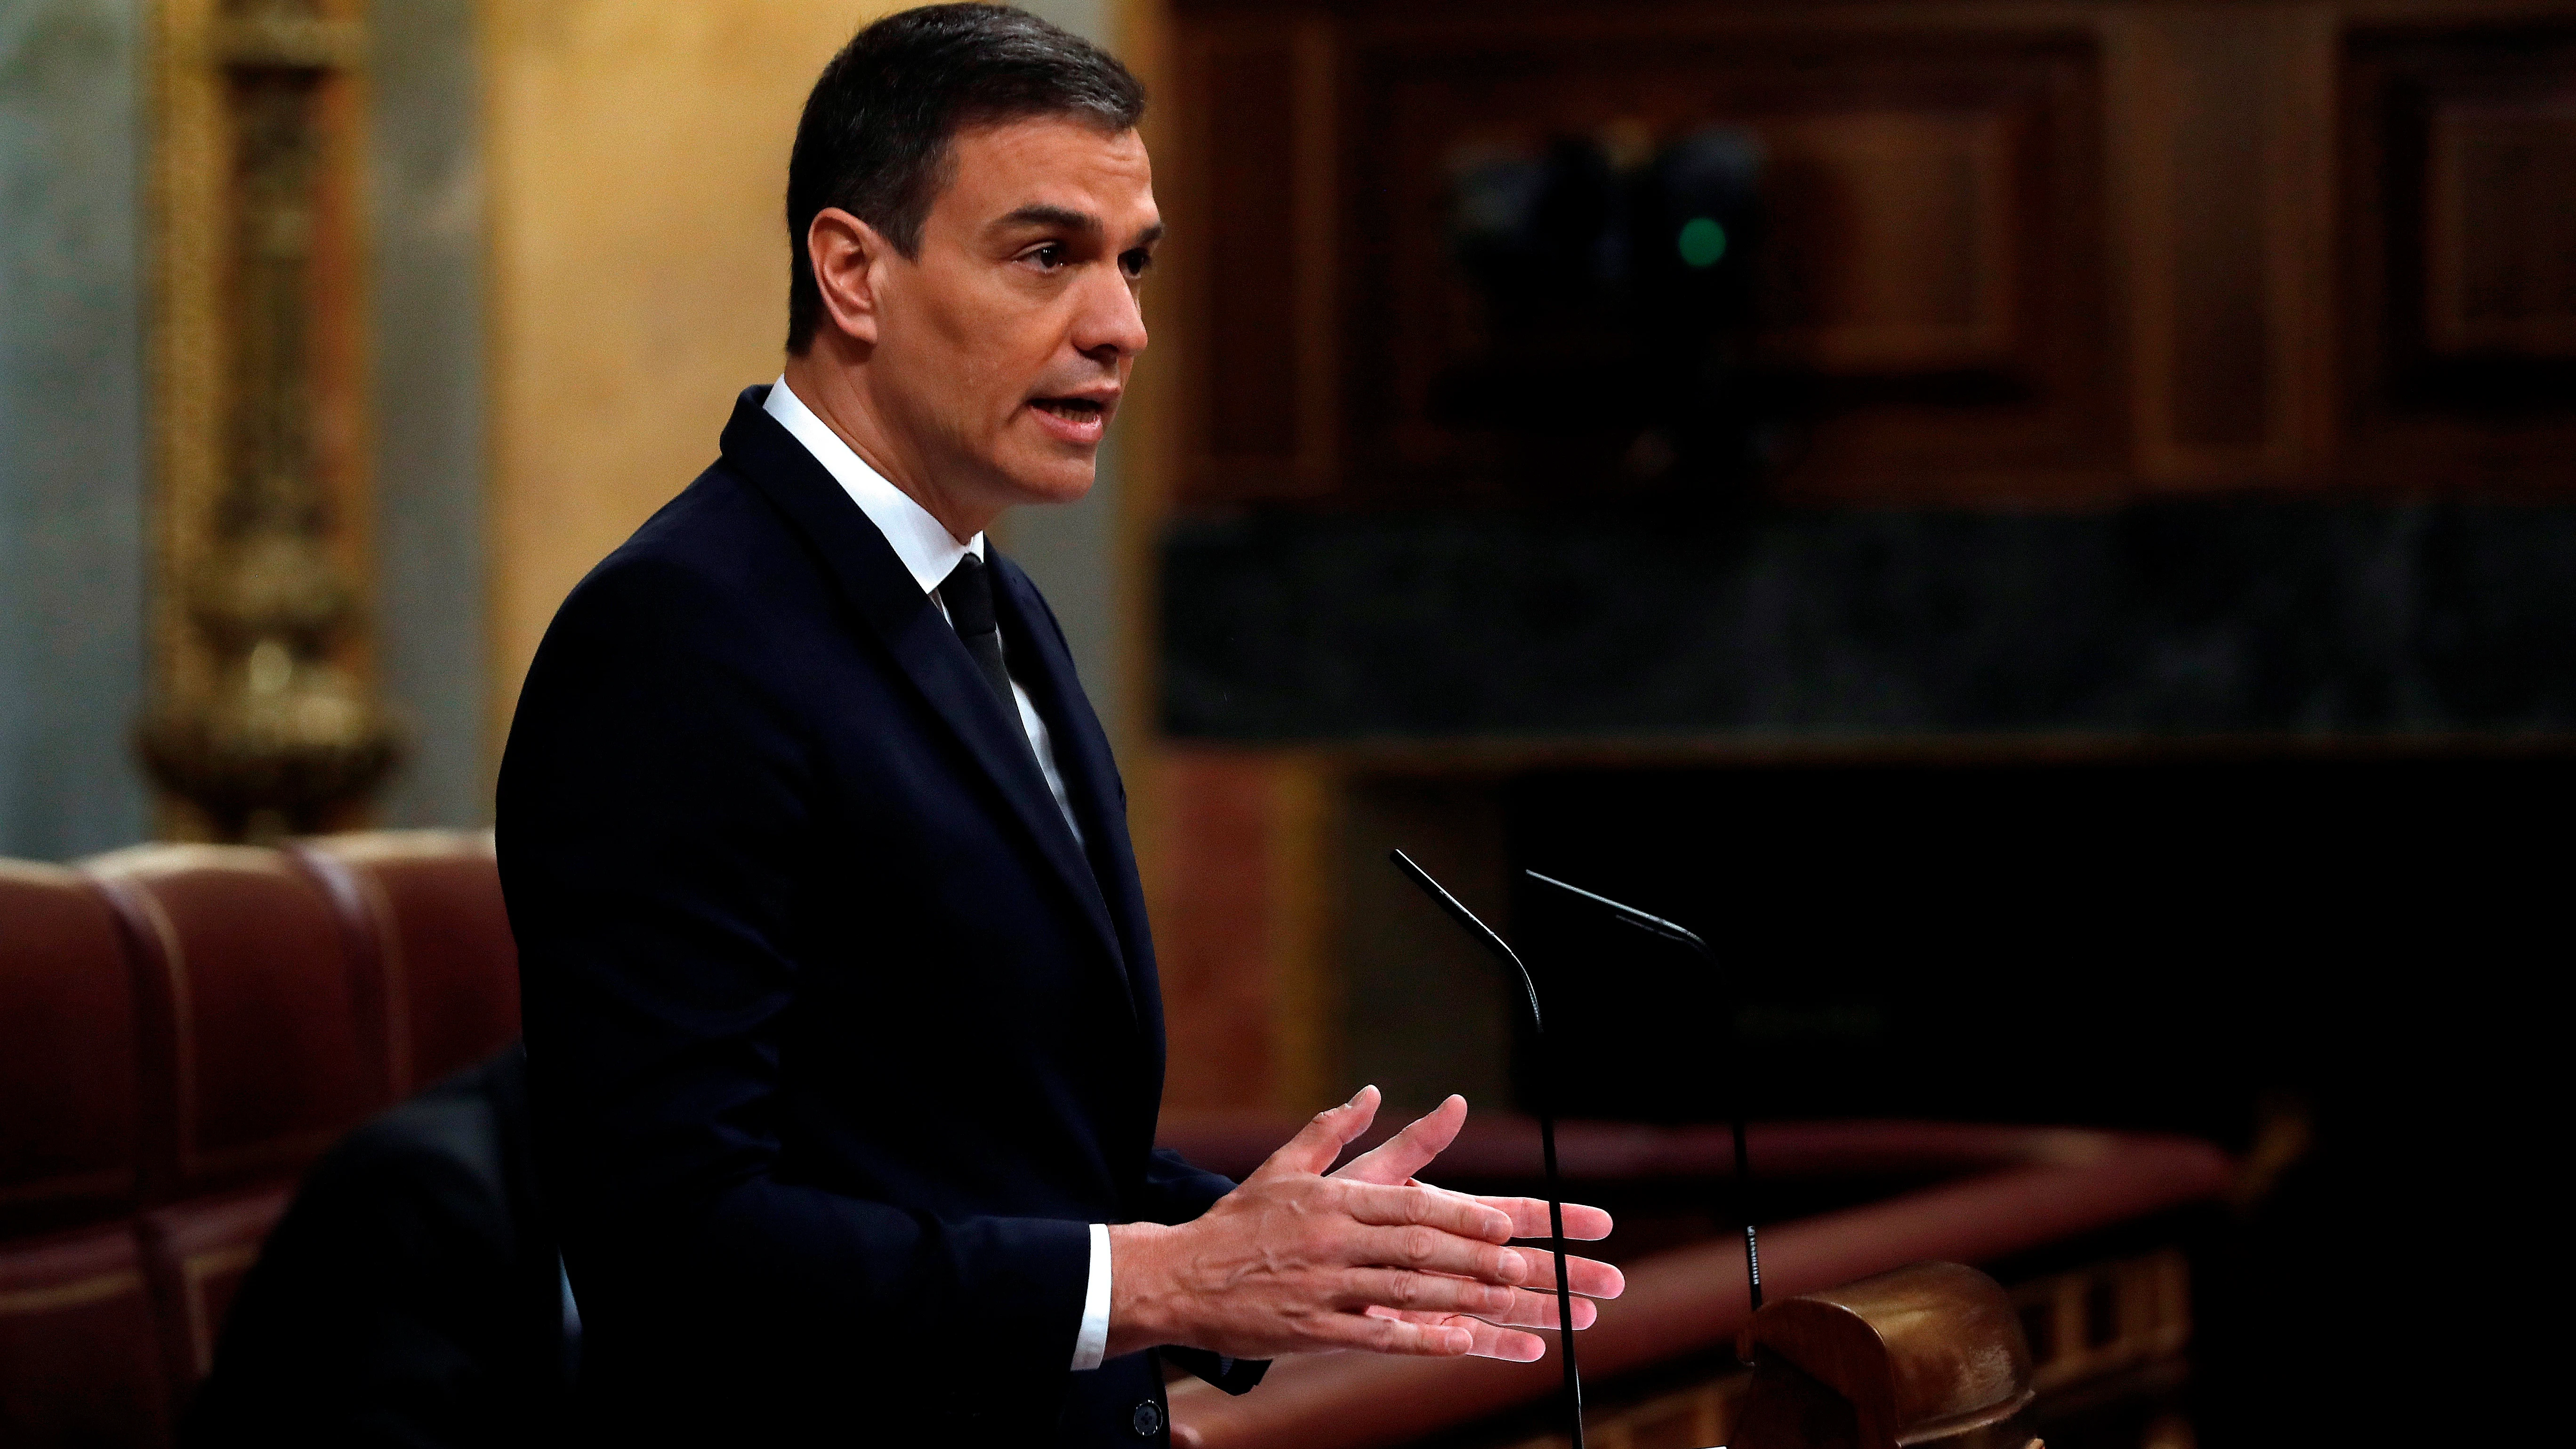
{"points": [[1702, 242]]}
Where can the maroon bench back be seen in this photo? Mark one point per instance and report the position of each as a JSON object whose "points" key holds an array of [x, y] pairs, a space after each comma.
{"points": [[182, 1029]]}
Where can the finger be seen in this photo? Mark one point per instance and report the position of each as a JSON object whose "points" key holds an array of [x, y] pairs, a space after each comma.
{"points": [[1320, 1141], [1394, 1333], [1356, 1289], [1536, 1308], [1411, 1150], [1484, 1339], [1588, 1276], [1185, 1436], [1384, 1206], [1429, 1250], [1529, 1218]]}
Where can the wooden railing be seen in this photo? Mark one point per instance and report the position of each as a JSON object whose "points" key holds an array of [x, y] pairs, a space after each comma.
{"points": [[1992, 1194]]}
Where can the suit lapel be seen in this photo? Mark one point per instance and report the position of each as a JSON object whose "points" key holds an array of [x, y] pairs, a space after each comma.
{"points": [[921, 641], [1045, 669]]}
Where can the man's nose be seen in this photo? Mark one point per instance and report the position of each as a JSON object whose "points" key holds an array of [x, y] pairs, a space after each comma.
{"points": [[1111, 323]]}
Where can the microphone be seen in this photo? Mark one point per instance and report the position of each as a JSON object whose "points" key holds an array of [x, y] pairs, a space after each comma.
{"points": [[1662, 929], [1546, 1123]]}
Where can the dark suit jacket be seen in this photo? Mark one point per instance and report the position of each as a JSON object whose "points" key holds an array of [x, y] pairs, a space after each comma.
{"points": [[837, 1039], [410, 1297]]}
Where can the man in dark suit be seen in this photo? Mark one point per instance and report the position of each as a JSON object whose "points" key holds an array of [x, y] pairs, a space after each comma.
{"points": [[844, 1041]]}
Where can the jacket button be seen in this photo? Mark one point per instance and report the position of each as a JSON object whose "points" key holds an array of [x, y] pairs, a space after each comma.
{"points": [[1147, 1421]]}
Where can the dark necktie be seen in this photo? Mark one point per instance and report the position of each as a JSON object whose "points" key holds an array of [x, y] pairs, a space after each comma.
{"points": [[968, 593]]}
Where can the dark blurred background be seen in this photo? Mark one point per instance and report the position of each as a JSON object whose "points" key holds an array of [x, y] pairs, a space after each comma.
{"points": [[2045, 532], [2044, 535], [2337, 968]]}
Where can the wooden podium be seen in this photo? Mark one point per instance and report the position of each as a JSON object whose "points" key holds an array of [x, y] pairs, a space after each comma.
{"points": [[1931, 1354]]}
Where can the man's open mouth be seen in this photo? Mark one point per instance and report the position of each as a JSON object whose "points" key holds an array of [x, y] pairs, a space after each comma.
{"points": [[1071, 409]]}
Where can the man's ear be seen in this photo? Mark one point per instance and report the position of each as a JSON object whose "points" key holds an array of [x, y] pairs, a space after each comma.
{"points": [[849, 259]]}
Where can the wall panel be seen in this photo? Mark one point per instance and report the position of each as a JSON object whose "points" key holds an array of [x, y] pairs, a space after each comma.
{"points": [[74, 460], [1933, 284], [2049, 253], [2458, 221], [426, 356], [638, 165], [2223, 146]]}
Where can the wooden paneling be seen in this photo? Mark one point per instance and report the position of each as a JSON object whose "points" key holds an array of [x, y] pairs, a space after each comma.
{"points": [[1924, 301], [2458, 221], [1241, 913], [2056, 252], [2222, 140], [1934, 313], [1257, 168], [2500, 228], [2217, 371], [1253, 316], [1895, 239]]}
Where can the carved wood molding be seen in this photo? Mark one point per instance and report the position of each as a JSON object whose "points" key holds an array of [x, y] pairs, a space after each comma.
{"points": [[262, 721]]}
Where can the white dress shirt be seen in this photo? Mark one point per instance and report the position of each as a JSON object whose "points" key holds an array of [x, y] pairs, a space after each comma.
{"points": [[930, 553]]}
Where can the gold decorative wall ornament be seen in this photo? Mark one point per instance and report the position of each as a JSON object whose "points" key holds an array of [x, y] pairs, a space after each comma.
{"points": [[280, 737]]}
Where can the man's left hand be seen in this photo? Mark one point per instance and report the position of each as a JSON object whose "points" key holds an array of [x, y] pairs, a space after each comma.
{"points": [[1397, 1159]]}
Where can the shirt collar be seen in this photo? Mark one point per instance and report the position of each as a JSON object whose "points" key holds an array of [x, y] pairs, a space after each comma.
{"points": [[924, 544]]}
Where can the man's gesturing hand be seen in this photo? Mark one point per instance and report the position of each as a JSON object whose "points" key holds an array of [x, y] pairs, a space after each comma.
{"points": [[1296, 1262], [1399, 1157]]}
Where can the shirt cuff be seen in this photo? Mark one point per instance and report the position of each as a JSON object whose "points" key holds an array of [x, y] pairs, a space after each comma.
{"points": [[1092, 1344]]}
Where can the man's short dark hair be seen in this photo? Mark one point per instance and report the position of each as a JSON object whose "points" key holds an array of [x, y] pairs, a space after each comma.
{"points": [[875, 137]]}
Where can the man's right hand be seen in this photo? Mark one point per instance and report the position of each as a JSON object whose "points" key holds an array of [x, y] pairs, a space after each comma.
{"points": [[1293, 1261]]}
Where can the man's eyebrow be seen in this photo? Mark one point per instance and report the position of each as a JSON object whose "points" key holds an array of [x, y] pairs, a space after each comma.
{"points": [[1062, 217], [1065, 218]]}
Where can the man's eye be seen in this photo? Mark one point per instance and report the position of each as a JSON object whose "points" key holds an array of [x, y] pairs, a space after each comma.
{"points": [[1047, 257], [1136, 263]]}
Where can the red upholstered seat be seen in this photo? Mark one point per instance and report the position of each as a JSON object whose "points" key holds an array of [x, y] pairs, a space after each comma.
{"points": [[197, 1253], [182, 1029], [68, 1146], [427, 903], [253, 1055], [80, 1352]]}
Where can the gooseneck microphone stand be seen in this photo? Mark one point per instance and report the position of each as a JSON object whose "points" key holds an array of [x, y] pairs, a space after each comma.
{"points": [[1545, 1104], [1662, 929]]}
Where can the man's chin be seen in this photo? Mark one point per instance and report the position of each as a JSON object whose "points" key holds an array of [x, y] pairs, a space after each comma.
{"points": [[1055, 480]]}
